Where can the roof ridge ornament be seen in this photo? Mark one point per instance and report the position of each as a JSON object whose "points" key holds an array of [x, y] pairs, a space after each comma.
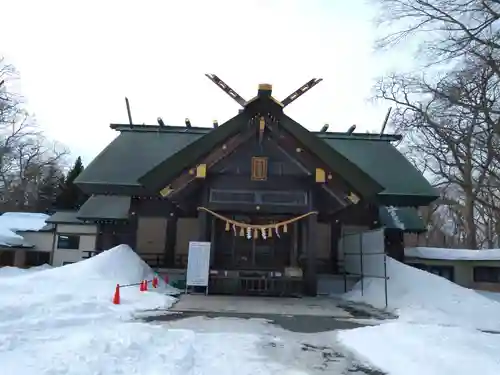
{"points": [[301, 91], [265, 89], [228, 90]]}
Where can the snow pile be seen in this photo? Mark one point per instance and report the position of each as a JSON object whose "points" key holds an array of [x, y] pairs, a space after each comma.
{"points": [[419, 296], [12, 222], [415, 349], [78, 293], [452, 254], [437, 330]]}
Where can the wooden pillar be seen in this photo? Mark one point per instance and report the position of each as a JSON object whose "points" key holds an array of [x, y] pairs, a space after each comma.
{"points": [[394, 244], [310, 275], [131, 229], [336, 232], [106, 237], [294, 253], [202, 225], [99, 241], [170, 241], [203, 218]]}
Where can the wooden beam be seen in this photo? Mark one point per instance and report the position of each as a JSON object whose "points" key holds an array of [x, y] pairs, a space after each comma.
{"points": [[334, 187], [329, 189], [206, 163]]}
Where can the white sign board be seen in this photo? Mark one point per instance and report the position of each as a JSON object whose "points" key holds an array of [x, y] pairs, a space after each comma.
{"points": [[198, 264]]}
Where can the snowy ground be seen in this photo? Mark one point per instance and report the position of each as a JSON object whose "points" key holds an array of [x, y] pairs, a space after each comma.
{"points": [[61, 321], [440, 329], [57, 321], [495, 296]]}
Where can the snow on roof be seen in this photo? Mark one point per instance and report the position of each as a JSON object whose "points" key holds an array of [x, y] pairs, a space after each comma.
{"points": [[23, 221], [12, 222], [10, 239], [452, 254], [393, 211]]}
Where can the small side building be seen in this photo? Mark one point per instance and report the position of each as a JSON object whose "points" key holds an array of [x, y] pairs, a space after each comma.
{"points": [[475, 269], [25, 239], [72, 238]]}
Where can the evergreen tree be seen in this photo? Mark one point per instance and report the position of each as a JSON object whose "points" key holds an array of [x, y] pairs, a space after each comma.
{"points": [[49, 189], [71, 197]]}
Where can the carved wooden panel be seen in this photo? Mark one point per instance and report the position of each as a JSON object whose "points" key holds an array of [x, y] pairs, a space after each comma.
{"points": [[259, 169]]}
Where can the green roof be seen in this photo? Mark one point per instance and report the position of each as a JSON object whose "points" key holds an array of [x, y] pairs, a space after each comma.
{"points": [[64, 217], [406, 219], [404, 184], [106, 207], [139, 149], [132, 154]]}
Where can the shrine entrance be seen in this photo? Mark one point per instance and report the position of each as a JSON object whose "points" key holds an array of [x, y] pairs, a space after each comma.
{"points": [[234, 250]]}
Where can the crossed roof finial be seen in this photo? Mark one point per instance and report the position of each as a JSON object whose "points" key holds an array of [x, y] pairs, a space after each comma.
{"points": [[289, 99]]}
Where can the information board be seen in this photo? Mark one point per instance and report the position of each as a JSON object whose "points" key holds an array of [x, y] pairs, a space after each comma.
{"points": [[198, 264]]}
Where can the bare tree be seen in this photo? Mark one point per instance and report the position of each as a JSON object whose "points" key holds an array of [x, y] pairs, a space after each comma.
{"points": [[448, 109], [25, 153], [452, 143], [450, 33]]}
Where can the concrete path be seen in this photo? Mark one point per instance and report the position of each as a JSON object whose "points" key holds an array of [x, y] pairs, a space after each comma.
{"points": [[316, 307], [295, 323]]}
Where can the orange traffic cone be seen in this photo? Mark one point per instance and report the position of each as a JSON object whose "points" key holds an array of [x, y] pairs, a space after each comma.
{"points": [[116, 297], [145, 285]]}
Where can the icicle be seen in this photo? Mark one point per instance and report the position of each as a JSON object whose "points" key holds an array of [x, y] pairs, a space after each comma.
{"points": [[227, 226], [263, 232], [277, 231], [285, 228], [234, 230], [249, 233], [242, 232]]}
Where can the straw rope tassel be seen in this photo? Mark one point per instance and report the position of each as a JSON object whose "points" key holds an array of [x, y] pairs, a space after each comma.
{"points": [[227, 226], [246, 226], [285, 228]]}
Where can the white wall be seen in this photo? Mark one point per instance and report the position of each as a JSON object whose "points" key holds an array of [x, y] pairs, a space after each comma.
{"points": [[77, 228], [88, 236], [41, 240], [363, 253]]}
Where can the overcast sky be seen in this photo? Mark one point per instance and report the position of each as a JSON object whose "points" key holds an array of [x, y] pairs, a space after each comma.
{"points": [[79, 59]]}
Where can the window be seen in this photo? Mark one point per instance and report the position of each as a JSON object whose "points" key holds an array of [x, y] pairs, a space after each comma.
{"points": [[288, 198], [230, 196], [259, 169], [68, 242], [487, 274], [37, 258], [271, 197], [448, 272]]}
